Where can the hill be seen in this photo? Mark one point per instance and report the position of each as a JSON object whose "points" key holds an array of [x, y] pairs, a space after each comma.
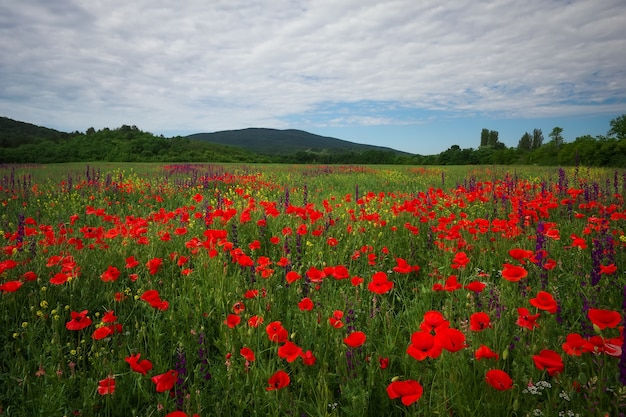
{"points": [[285, 142], [14, 133]]}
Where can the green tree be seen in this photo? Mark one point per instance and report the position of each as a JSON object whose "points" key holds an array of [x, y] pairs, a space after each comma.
{"points": [[525, 143], [618, 127], [484, 137], [557, 137], [537, 139]]}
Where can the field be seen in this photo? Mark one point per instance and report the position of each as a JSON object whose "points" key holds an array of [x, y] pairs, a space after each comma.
{"points": [[190, 289]]}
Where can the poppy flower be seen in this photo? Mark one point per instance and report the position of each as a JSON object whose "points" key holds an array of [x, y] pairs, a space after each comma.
{"points": [[383, 362], [59, 278], [277, 381], [576, 345], [450, 339], [110, 275], [380, 284], [479, 321], [452, 284], [102, 332], [520, 254], [308, 358], [544, 301], [340, 272], [604, 318], [525, 319], [356, 281], [143, 367], [336, 319], [433, 320], [306, 304], [408, 391], [513, 273], [423, 345], [153, 298], [238, 307], [11, 286], [276, 332], [154, 265], [165, 382], [255, 321], [484, 352], [498, 379], [355, 339], [106, 386], [79, 321], [403, 267], [29, 276], [315, 275], [292, 276], [232, 320], [247, 353], [460, 260], [608, 269], [550, 361], [289, 351], [251, 294]]}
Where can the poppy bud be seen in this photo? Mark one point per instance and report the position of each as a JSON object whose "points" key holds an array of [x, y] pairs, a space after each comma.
{"points": [[505, 354], [395, 378]]}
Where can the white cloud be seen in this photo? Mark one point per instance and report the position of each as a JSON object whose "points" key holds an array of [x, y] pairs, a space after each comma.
{"points": [[201, 66]]}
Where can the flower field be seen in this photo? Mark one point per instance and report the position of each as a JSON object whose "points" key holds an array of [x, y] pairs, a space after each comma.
{"points": [[197, 289]]}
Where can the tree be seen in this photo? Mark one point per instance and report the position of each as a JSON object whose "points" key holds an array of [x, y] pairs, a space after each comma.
{"points": [[484, 137], [618, 127], [493, 138], [537, 139], [525, 143], [557, 138]]}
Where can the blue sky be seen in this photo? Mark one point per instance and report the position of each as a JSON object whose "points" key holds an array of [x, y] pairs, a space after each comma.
{"points": [[415, 76]]}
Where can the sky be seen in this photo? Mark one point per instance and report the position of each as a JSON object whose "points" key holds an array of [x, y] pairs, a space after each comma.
{"points": [[415, 75]]}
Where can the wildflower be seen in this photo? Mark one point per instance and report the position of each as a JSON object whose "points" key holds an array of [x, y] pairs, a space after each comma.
{"points": [[255, 321], [289, 351], [479, 321], [408, 391], [460, 260], [484, 352], [247, 353], [153, 298], [279, 380], [604, 318], [232, 320], [544, 301], [59, 278], [165, 382], [608, 269], [238, 307], [499, 380], [575, 345], [355, 339], [380, 284], [154, 265], [110, 275], [525, 319], [143, 367], [433, 320], [450, 339], [550, 361], [276, 332], [306, 304], [383, 362], [292, 276], [336, 319], [106, 386], [308, 358], [79, 321], [423, 345], [513, 273], [11, 286]]}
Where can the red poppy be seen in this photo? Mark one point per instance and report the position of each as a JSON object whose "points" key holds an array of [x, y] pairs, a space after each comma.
{"points": [[238, 307], [525, 319], [520, 254], [59, 278], [255, 321], [460, 260], [29, 276], [544, 301], [576, 345], [380, 284], [276, 332], [340, 272], [356, 281], [355, 339], [11, 286], [604, 318], [154, 265], [306, 304], [289, 351], [608, 269], [452, 284], [484, 352], [232, 320], [277, 381], [403, 267], [423, 345], [550, 361], [383, 362], [336, 319], [111, 274], [102, 332], [251, 294], [513, 273], [480, 321], [153, 298], [308, 358], [292, 276], [498, 379], [433, 320], [106, 386], [165, 382], [247, 353], [143, 367], [315, 275], [450, 339], [79, 321], [408, 391]]}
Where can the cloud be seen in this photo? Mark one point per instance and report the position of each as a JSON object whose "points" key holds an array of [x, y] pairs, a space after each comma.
{"points": [[203, 66]]}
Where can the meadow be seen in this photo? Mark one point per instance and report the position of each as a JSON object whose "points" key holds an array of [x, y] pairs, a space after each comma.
{"points": [[308, 290]]}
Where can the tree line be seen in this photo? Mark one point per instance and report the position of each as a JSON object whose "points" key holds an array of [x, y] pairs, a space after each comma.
{"points": [[130, 144]]}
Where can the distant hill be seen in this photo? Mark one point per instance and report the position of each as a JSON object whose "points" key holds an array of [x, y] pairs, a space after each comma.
{"points": [[284, 142], [14, 133]]}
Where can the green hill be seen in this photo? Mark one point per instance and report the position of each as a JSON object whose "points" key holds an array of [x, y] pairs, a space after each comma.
{"points": [[285, 142], [14, 133]]}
